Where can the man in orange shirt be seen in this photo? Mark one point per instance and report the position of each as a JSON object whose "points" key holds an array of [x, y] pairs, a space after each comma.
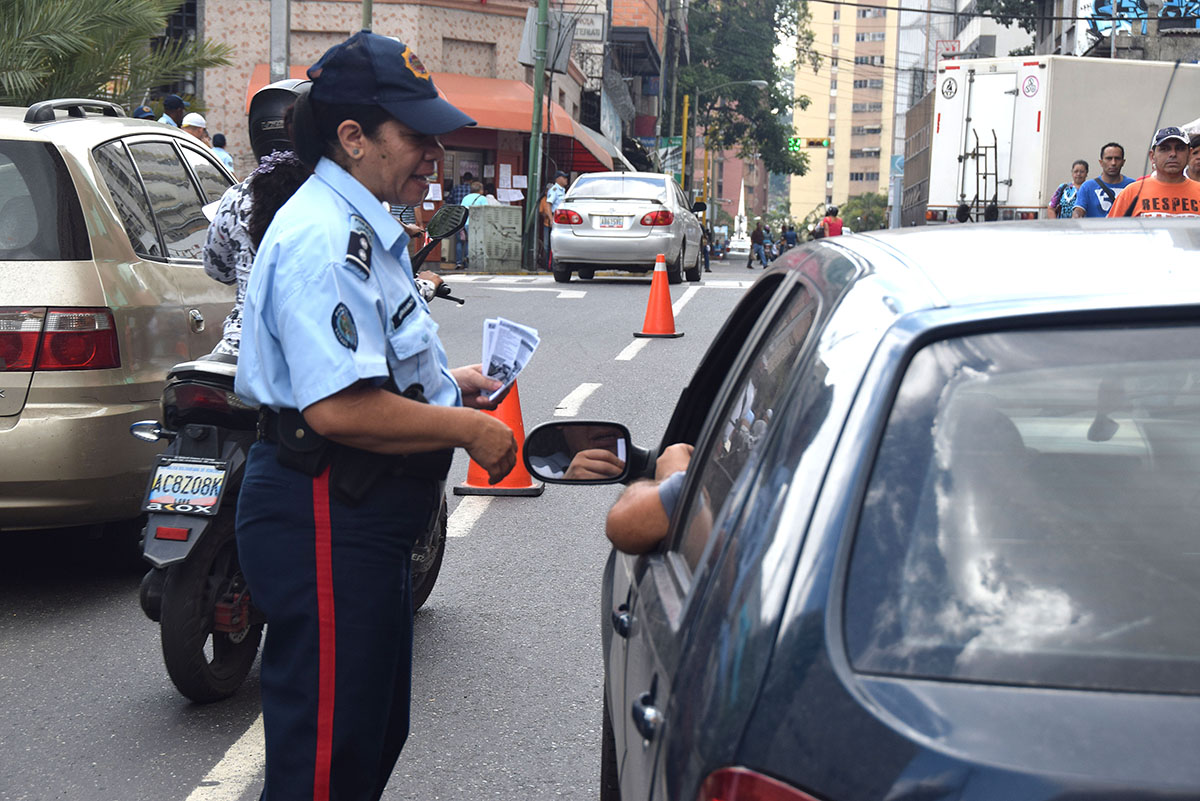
{"points": [[1165, 192]]}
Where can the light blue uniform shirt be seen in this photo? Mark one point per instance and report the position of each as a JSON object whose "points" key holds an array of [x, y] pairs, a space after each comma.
{"points": [[165, 120], [332, 301]]}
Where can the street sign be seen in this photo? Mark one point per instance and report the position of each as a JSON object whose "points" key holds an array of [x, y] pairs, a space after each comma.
{"points": [[944, 47], [589, 28], [898, 165]]}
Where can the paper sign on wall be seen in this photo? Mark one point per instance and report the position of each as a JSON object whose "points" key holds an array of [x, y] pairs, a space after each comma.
{"points": [[520, 182], [489, 170], [435, 192]]}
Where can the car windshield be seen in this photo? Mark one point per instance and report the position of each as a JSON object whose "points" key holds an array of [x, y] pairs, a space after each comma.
{"points": [[615, 187], [1032, 514], [40, 217]]}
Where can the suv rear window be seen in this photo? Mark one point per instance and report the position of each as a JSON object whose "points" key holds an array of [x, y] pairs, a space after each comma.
{"points": [[40, 216], [1031, 516]]}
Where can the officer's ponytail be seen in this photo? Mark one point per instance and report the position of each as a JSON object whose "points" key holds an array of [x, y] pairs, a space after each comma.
{"points": [[315, 124]]}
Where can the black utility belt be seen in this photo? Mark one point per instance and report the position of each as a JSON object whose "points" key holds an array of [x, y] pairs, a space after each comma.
{"points": [[353, 472]]}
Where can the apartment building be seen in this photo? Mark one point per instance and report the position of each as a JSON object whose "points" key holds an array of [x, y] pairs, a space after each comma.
{"points": [[853, 102]]}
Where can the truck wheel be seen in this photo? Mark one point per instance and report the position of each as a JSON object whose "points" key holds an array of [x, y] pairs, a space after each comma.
{"points": [[427, 560], [204, 664], [587, 274]]}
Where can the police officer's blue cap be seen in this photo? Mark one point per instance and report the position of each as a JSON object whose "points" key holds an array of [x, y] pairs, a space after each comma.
{"points": [[369, 69], [144, 113]]}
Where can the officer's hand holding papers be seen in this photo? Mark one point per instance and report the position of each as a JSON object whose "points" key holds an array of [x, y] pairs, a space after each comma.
{"points": [[507, 347]]}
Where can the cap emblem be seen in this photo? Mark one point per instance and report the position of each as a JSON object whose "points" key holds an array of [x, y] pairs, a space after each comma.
{"points": [[414, 64]]}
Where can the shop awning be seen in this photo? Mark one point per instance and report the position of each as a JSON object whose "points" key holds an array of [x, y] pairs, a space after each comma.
{"points": [[508, 106], [497, 104], [619, 160]]}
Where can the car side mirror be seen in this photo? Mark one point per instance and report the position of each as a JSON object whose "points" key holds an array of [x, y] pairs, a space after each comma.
{"points": [[583, 452], [699, 206]]}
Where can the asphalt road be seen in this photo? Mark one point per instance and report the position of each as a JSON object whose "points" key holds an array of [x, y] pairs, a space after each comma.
{"points": [[508, 674]]}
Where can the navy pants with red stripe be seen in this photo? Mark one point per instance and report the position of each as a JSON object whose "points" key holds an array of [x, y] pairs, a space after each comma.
{"points": [[333, 581]]}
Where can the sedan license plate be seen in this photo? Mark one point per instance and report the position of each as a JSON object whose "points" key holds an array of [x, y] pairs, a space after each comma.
{"points": [[611, 222], [186, 485]]}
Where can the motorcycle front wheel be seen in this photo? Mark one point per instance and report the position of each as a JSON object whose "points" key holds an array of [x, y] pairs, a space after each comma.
{"points": [[427, 559], [206, 664]]}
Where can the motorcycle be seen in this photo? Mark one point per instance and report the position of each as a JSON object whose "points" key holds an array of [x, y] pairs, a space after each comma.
{"points": [[210, 628]]}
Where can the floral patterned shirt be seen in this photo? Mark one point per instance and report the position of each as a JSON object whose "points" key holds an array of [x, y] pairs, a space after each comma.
{"points": [[229, 255]]}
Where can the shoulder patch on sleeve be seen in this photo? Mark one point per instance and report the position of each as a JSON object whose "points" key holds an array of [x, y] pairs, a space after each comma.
{"points": [[344, 328], [358, 250]]}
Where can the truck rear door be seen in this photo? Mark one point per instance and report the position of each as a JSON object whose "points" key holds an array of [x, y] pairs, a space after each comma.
{"points": [[987, 135]]}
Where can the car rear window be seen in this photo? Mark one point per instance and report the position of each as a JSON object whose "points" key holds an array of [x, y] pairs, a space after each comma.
{"points": [[1032, 515], [40, 215], [615, 187]]}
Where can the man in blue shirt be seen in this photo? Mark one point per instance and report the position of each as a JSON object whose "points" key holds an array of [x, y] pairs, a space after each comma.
{"points": [[557, 190], [1096, 196], [461, 189], [173, 110], [218, 147]]}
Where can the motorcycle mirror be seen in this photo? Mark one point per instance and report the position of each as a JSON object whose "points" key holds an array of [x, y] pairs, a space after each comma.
{"points": [[579, 452], [446, 221]]}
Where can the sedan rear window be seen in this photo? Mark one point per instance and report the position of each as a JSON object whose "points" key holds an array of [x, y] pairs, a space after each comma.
{"points": [[1032, 514], [40, 216], [616, 187]]}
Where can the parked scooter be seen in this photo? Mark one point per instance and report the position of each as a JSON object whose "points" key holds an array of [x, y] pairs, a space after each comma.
{"points": [[195, 591]]}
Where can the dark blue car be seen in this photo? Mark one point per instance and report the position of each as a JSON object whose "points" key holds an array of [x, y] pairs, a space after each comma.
{"points": [[940, 534]]}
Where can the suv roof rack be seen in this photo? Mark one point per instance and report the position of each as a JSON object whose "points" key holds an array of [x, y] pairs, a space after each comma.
{"points": [[44, 111]]}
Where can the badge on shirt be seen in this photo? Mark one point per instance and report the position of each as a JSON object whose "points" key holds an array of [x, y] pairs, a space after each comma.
{"points": [[358, 251], [344, 328], [402, 312]]}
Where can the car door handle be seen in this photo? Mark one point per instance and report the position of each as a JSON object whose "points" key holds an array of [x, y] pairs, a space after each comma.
{"points": [[622, 620], [646, 717], [197, 320]]}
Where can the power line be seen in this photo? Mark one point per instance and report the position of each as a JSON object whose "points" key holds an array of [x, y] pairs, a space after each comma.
{"points": [[982, 14]]}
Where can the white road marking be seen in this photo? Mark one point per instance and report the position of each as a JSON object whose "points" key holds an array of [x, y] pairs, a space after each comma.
{"points": [[683, 300], [570, 294], [241, 766], [466, 515], [569, 406], [632, 349]]}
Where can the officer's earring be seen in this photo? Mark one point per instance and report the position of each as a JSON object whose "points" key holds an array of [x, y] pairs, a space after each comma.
{"points": [[355, 152]]}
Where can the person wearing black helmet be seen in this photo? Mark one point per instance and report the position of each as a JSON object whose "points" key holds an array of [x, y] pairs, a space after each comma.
{"points": [[361, 414], [831, 224], [244, 211]]}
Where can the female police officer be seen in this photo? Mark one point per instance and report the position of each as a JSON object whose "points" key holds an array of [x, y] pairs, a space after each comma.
{"points": [[360, 416]]}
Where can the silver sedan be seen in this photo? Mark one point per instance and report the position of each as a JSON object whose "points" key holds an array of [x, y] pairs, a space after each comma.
{"points": [[623, 221]]}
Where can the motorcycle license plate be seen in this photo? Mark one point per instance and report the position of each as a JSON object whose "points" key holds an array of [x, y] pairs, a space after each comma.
{"points": [[186, 485], [611, 222]]}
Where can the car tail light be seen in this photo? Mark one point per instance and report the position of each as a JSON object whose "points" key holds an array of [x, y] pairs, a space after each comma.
{"points": [[662, 217], [935, 215], [567, 217], [20, 330], [58, 339], [739, 784], [1027, 215]]}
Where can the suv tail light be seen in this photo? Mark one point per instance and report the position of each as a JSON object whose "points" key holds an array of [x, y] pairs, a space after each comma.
{"points": [[58, 339], [739, 784], [662, 217], [567, 217]]}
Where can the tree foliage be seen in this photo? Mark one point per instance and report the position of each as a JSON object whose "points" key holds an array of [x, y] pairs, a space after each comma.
{"points": [[865, 212], [735, 40], [1006, 12], [93, 48]]}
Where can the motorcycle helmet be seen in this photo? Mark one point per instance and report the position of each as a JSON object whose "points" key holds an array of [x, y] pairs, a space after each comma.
{"points": [[268, 132]]}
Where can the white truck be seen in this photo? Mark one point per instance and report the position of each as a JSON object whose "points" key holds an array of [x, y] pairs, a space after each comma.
{"points": [[1005, 131]]}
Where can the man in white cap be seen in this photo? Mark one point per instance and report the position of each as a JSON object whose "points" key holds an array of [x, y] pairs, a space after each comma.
{"points": [[197, 126]]}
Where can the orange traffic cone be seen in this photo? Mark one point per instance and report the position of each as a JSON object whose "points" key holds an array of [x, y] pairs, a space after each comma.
{"points": [[518, 482], [660, 320]]}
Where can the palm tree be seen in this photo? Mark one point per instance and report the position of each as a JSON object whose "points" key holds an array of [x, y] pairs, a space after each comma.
{"points": [[97, 49]]}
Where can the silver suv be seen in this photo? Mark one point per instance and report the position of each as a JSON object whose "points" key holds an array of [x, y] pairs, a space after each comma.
{"points": [[101, 290]]}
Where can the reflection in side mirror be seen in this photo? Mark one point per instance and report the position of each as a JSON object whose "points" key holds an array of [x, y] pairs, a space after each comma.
{"points": [[446, 221], [578, 452]]}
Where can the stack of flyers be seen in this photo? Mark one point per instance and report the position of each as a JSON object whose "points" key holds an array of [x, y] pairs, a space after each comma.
{"points": [[507, 347]]}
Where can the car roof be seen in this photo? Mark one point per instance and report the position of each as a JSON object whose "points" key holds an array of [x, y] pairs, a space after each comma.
{"points": [[618, 174], [83, 131], [1055, 262]]}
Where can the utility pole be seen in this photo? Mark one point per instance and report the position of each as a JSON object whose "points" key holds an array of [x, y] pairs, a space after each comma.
{"points": [[281, 25], [366, 15], [683, 164], [534, 188]]}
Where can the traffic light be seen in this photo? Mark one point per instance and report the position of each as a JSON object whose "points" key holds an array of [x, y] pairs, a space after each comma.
{"points": [[818, 142], [795, 143]]}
